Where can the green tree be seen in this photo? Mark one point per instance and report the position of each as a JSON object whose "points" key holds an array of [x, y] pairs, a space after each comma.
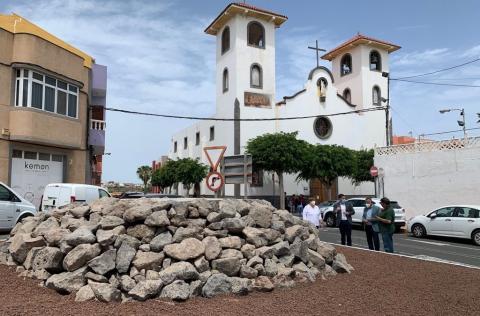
{"points": [[363, 163], [280, 153], [189, 172], [327, 163], [144, 173], [165, 176]]}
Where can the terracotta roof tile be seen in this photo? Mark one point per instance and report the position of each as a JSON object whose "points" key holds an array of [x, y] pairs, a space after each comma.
{"points": [[331, 54]]}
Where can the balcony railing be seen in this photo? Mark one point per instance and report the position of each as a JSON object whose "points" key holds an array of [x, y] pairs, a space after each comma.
{"points": [[98, 125]]}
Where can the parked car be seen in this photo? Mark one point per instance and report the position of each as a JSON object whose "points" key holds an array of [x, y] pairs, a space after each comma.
{"points": [[60, 194], [358, 206], [138, 195], [459, 221], [13, 208], [324, 206]]}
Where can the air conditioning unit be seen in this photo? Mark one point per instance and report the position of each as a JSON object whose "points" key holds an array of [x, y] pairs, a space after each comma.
{"points": [[5, 132]]}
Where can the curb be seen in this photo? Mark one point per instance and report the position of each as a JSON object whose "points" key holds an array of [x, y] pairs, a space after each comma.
{"points": [[418, 257]]}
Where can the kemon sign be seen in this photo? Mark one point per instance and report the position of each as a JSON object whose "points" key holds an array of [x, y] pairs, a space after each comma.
{"points": [[29, 177]]}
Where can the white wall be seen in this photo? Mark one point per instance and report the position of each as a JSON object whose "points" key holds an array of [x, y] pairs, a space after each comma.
{"points": [[426, 176]]}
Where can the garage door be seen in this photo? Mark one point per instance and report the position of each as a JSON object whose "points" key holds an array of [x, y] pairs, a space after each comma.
{"points": [[32, 171]]}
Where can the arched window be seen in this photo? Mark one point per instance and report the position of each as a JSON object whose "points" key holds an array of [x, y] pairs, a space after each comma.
{"points": [[347, 95], [225, 80], [376, 96], [346, 65], [256, 34], [375, 61], [225, 39], [256, 80]]}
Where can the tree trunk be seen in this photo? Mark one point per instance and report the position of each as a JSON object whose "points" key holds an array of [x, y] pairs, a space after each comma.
{"points": [[329, 191], [282, 192]]}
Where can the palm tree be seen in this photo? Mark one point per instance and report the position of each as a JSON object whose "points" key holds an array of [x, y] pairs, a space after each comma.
{"points": [[144, 173]]}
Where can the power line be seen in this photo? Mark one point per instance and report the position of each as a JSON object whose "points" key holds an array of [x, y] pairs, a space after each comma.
{"points": [[449, 132], [437, 83], [245, 119], [441, 70]]}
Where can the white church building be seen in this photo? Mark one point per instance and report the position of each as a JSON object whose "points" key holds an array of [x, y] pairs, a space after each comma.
{"points": [[245, 89]]}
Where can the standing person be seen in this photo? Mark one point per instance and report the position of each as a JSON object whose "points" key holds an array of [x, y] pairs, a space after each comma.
{"points": [[311, 213], [343, 212], [370, 221], [387, 224], [301, 204]]}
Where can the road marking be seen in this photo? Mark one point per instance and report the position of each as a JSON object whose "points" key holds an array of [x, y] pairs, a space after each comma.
{"points": [[428, 242]]}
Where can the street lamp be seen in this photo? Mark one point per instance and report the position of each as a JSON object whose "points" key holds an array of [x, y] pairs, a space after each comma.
{"points": [[460, 123]]}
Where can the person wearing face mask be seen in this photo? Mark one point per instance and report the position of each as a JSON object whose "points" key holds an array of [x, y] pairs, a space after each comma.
{"points": [[370, 222], [311, 213], [387, 224], [344, 211]]}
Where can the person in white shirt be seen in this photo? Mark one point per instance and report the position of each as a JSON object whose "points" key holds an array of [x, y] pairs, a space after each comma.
{"points": [[311, 213]]}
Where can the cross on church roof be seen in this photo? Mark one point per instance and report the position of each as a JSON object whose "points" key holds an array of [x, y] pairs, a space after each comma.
{"points": [[317, 50]]}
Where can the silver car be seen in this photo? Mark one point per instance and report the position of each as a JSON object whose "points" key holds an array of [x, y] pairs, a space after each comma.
{"points": [[13, 208]]}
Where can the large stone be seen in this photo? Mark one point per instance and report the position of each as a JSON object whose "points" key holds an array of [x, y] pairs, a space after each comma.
{"points": [[179, 271], [80, 211], [202, 265], [28, 263], [278, 226], [248, 272], [189, 248], [178, 291], [327, 251], [146, 289], [158, 219], [127, 283], [254, 261], [271, 268], [261, 215], [217, 284], [96, 277], [295, 231], [187, 232], [215, 233], [125, 255], [21, 245], [80, 236], [110, 222], [241, 286], [263, 284], [196, 288], [84, 294], [67, 282], [148, 260], [255, 236], [233, 225], [105, 292], [212, 247], [340, 264], [281, 249], [317, 260], [45, 226], [108, 237], [161, 241], [228, 208], [228, 266], [248, 251], [287, 260], [329, 272], [142, 232], [48, 258], [300, 250], [55, 236], [213, 217], [286, 217], [80, 255], [137, 213], [231, 242], [104, 263], [265, 252], [26, 226], [129, 240], [231, 253]]}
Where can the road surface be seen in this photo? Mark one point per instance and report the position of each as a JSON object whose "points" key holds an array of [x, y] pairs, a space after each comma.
{"points": [[456, 250]]}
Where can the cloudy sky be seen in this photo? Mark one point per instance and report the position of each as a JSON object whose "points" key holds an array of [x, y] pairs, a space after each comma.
{"points": [[159, 60]]}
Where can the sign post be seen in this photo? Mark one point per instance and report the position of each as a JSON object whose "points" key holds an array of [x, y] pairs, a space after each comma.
{"points": [[374, 174]]}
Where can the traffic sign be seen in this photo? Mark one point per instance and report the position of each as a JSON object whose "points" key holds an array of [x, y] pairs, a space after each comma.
{"points": [[374, 171], [214, 181]]}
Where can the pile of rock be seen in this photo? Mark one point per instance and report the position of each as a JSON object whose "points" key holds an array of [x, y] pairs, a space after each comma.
{"points": [[113, 250]]}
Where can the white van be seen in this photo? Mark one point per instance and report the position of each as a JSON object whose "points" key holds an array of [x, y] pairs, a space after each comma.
{"points": [[60, 194], [13, 208]]}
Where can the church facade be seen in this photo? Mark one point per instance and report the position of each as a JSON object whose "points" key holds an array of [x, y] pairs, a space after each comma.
{"points": [[245, 89]]}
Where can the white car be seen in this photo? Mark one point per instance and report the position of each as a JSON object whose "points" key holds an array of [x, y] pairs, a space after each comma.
{"points": [[460, 221], [13, 208], [358, 206], [60, 194]]}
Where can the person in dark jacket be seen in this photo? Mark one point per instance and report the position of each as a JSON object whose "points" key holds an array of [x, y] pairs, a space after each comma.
{"points": [[343, 212], [370, 222]]}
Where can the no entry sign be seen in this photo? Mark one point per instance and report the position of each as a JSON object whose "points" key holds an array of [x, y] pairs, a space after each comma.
{"points": [[374, 171]]}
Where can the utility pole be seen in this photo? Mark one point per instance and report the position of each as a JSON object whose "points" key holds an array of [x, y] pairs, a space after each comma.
{"points": [[387, 110]]}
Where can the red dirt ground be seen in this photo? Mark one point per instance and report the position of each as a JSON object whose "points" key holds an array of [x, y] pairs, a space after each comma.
{"points": [[381, 284]]}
